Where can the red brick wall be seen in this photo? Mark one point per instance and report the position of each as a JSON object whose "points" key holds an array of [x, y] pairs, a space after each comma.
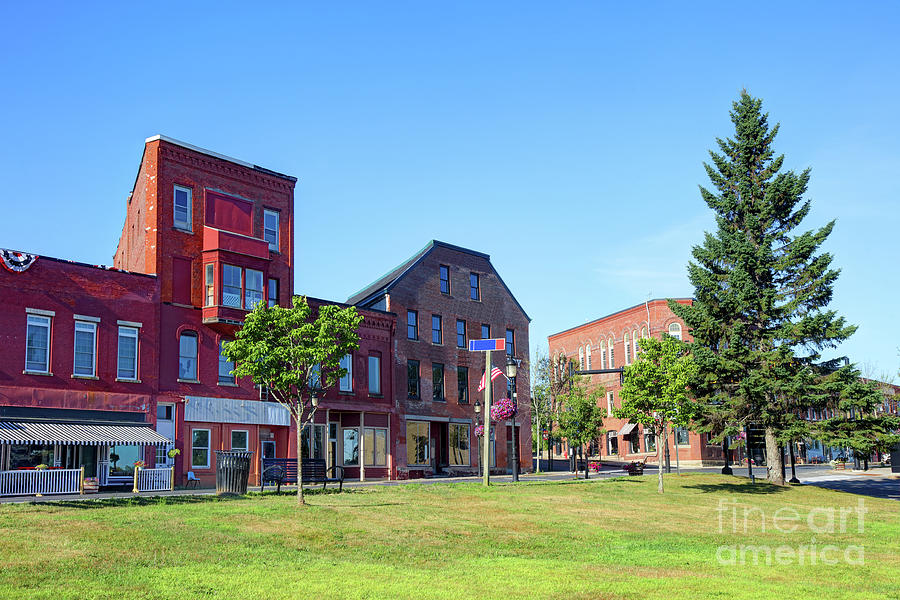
{"points": [[420, 290], [68, 289], [655, 314]]}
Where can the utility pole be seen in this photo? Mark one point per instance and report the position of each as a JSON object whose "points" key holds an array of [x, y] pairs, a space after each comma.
{"points": [[487, 418]]}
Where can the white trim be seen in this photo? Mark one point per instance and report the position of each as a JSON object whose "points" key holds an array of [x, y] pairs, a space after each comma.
{"points": [[208, 447], [277, 214], [86, 318], [136, 335], [40, 312], [93, 326], [130, 324], [231, 440], [187, 226]]}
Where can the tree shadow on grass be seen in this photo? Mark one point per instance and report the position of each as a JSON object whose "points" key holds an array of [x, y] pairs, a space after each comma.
{"points": [[137, 501], [738, 488]]}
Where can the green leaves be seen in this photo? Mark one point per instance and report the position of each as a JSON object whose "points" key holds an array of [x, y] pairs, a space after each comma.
{"points": [[281, 348], [655, 390]]}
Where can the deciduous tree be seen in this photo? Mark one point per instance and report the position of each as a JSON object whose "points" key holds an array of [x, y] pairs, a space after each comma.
{"points": [[293, 352]]}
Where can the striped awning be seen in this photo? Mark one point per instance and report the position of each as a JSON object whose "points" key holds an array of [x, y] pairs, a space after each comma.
{"points": [[627, 428], [23, 432]]}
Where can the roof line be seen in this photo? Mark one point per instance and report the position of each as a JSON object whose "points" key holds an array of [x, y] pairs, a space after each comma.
{"points": [[218, 155], [90, 266], [592, 321]]}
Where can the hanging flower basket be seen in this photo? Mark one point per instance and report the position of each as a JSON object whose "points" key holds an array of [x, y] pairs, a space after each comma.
{"points": [[173, 452], [479, 430], [503, 410]]}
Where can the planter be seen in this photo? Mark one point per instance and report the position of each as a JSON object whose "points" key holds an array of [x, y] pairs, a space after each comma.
{"points": [[91, 485]]}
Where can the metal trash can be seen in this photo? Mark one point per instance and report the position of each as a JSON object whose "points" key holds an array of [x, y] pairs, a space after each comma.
{"points": [[895, 459], [232, 472]]}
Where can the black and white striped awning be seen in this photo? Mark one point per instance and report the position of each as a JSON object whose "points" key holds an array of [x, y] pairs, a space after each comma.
{"points": [[23, 432]]}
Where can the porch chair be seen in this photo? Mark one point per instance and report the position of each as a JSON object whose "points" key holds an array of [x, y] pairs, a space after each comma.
{"points": [[192, 479]]}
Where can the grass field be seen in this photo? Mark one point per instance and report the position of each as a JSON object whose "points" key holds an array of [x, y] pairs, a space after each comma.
{"points": [[599, 539]]}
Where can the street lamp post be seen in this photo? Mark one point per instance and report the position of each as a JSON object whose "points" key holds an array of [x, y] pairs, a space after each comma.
{"points": [[511, 371], [486, 477], [726, 470]]}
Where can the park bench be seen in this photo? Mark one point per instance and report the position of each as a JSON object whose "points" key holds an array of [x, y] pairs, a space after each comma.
{"points": [[284, 470], [839, 466]]}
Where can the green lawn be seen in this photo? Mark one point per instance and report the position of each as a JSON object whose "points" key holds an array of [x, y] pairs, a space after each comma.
{"points": [[598, 539]]}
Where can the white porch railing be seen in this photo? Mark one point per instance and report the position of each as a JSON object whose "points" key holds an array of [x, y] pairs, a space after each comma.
{"points": [[49, 481], [153, 480]]}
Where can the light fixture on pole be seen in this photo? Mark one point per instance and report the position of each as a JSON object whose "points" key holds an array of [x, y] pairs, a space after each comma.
{"points": [[511, 370]]}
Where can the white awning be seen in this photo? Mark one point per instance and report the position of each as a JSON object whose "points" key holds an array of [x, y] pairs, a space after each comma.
{"points": [[23, 432], [627, 428]]}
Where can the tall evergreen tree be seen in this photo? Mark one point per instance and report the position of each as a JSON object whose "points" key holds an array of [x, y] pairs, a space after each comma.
{"points": [[760, 316]]}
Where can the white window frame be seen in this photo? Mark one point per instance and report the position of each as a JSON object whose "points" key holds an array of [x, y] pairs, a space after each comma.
{"points": [[246, 432], [675, 330], [346, 382], [266, 212], [38, 321], [634, 343], [602, 355], [84, 326], [610, 355], [359, 458], [185, 225], [581, 357], [610, 403], [127, 332], [208, 447], [209, 270], [587, 356], [627, 345], [240, 287], [261, 291]]}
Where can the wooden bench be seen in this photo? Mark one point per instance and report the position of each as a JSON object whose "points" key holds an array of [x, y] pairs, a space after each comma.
{"points": [[284, 471]]}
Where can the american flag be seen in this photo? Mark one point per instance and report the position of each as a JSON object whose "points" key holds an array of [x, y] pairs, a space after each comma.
{"points": [[495, 373]]}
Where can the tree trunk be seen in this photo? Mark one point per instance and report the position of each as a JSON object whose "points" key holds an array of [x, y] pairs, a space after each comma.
{"points": [[774, 459], [659, 457], [300, 499]]}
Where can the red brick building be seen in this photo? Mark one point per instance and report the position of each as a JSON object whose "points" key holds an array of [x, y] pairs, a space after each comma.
{"points": [[206, 237], [78, 367], [444, 296], [612, 342]]}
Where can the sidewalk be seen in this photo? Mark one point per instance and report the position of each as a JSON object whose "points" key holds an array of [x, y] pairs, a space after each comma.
{"points": [[524, 477]]}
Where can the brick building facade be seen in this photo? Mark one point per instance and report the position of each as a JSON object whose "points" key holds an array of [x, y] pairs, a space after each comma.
{"points": [[107, 366], [612, 342], [444, 296]]}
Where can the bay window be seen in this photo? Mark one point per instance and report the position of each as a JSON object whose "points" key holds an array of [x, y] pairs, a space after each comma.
{"points": [[253, 294], [231, 286]]}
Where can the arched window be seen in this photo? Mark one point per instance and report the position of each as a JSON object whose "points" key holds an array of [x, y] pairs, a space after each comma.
{"points": [[602, 355], [634, 341], [187, 356], [644, 333], [581, 358], [675, 330], [587, 354], [627, 346], [612, 359]]}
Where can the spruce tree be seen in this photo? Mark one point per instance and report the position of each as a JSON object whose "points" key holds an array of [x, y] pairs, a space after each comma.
{"points": [[760, 317]]}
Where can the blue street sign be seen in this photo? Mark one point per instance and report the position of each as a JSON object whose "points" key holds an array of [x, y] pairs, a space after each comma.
{"points": [[485, 345]]}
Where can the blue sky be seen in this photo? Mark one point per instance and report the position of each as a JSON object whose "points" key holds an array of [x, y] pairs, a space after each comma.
{"points": [[566, 140]]}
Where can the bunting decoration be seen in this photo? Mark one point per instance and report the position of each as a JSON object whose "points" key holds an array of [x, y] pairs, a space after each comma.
{"points": [[17, 261]]}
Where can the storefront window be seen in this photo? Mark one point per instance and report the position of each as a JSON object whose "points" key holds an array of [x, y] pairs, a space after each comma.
{"points": [[351, 447], [375, 447], [459, 445], [416, 443], [122, 459], [23, 456]]}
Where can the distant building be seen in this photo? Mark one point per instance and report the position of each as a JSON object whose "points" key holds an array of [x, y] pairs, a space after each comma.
{"points": [[611, 342], [444, 296]]}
